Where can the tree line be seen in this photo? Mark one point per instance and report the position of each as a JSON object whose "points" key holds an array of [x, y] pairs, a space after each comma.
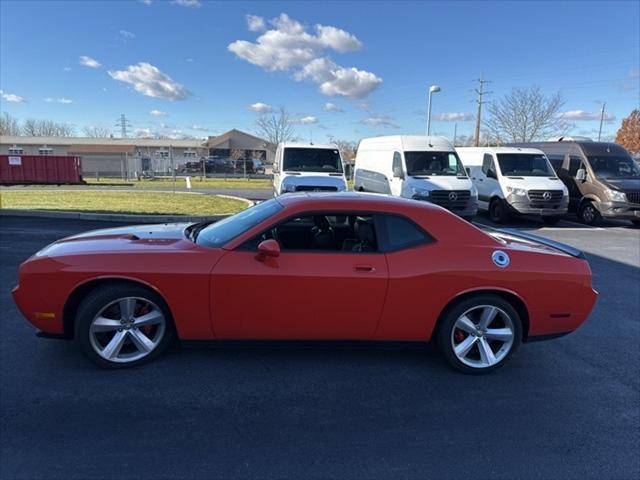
{"points": [[10, 126]]}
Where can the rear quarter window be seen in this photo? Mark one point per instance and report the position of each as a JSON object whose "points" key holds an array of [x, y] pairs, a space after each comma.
{"points": [[401, 233]]}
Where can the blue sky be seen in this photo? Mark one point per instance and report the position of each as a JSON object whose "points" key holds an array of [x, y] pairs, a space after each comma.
{"points": [[200, 66]]}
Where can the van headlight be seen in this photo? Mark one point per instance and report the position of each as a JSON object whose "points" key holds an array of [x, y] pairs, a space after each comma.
{"points": [[286, 188], [616, 195], [517, 191], [473, 192], [419, 192]]}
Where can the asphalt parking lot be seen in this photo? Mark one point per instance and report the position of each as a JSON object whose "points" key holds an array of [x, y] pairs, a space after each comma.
{"points": [[568, 408]]}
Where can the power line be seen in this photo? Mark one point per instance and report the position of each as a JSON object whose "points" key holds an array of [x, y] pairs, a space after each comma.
{"points": [[480, 91], [123, 123]]}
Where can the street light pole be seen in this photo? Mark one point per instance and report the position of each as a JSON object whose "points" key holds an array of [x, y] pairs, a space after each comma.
{"points": [[432, 89], [601, 119]]}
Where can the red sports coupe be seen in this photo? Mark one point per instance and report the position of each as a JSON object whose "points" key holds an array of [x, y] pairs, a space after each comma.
{"points": [[308, 266]]}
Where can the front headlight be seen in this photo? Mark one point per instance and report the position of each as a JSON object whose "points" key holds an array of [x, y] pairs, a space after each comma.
{"points": [[419, 192], [286, 188], [474, 191], [517, 191], [616, 196]]}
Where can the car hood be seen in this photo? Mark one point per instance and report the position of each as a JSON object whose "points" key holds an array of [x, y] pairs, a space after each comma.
{"points": [[534, 183], [134, 239], [624, 184], [314, 179]]}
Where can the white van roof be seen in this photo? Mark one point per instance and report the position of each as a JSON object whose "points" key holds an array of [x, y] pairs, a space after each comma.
{"points": [[327, 146], [407, 143], [474, 155]]}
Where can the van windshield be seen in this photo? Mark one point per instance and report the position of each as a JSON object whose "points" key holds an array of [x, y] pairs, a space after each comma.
{"points": [[614, 167], [524, 165], [311, 160], [433, 163]]}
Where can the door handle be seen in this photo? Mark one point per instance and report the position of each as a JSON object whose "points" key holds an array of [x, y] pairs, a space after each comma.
{"points": [[481, 179], [364, 268]]}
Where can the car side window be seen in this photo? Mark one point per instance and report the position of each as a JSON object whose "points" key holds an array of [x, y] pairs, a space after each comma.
{"points": [[487, 163], [322, 232], [574, 165], [401, 233]]}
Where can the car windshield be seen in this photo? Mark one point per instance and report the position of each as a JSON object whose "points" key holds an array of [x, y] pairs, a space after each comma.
{"points": [[219, 233], [525, 165], [311, 160], [433, 163], [614, 167]]}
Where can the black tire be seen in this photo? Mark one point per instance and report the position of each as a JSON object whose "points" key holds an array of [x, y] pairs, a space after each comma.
{"points": [[589, 214], [636, 222], [550, 220], [445, 333], [105, 295], [498, 212]]}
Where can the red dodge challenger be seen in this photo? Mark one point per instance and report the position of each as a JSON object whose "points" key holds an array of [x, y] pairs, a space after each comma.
{"points": [[308, 266]]}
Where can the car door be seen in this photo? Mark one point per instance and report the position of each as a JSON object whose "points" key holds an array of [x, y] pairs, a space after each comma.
{"points": [[483, 182], [301, 294]]}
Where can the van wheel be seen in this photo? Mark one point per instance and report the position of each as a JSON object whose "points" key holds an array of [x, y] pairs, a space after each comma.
{"points": [[497, 211], [479, 334], [589, 214], [636, 222], [550, 220]]}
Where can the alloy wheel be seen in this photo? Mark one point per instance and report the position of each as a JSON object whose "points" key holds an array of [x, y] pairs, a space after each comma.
{"points": [[127, 329], [482, 336]]}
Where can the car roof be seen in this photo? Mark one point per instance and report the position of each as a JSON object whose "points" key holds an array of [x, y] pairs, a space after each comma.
{"points": [[326, 146], [500, 150], [356, 200]]}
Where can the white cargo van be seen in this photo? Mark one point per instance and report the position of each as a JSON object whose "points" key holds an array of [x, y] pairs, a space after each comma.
{"points": [[302, 167], [417, 167], [515, 181]]}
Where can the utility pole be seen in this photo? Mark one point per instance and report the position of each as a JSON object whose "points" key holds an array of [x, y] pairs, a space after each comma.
{"points": [[601, 120], [455, 133], [480, 91], [123, 123]]}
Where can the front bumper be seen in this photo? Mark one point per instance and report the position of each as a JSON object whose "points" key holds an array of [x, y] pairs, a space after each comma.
{"points": [[524, 206], [620, 210]]}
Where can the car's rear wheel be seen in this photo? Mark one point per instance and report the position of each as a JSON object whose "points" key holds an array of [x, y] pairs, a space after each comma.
{"points": [[122, 325], [589, 214], [497, 211], [479, 334]]}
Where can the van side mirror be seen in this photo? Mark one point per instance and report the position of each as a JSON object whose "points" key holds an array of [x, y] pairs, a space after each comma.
{"points": [[268, 248], [397, 172], [491, 174], [581, 174]]}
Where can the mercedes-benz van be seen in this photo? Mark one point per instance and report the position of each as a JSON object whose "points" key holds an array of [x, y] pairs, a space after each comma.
{"points": [[602, 178], [515, 181], [417, 167], [306, 167]]}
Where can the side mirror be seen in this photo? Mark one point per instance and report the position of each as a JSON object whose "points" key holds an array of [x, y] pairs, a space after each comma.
{"points": [[397, 172], [581, 174], [268, 248], [491, 174]]}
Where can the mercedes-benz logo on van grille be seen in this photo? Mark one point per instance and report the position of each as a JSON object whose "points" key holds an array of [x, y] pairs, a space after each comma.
{"points": [[546, 195], [453, 196]]}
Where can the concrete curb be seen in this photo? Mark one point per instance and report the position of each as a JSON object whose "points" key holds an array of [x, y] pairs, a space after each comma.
{"points": [[118, 217]]}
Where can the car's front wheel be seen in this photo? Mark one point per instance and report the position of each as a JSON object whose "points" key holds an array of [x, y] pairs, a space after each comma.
{"points": [[478, 334], [121, 325]]}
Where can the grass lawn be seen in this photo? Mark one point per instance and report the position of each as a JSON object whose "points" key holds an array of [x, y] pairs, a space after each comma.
{"points": [[121, 202], [196, 183]]}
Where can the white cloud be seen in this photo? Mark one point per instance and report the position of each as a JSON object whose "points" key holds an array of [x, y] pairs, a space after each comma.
{"points": [[454, 117], [146, 2], [158, 113], [260, 107], [289, 47], [127, 35], [150, 81], [331, 107], [255, 23], [67, 69], [583, 115], [188, 3], [189, 60], [64, 100], [365, 106], [11, 97], [89, 62], [200, 128], [48, 99], [379, 121], [308, 120]]}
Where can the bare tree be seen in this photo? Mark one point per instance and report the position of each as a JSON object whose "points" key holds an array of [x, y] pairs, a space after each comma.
{"points": [[47, 128], [347, 148], [9, 125], [524, 115], [275, 127], [96, 132]]}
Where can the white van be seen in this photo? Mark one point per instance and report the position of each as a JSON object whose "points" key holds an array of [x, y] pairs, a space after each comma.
{"points": [[417, 167], [515, 180], [302, 167]]}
